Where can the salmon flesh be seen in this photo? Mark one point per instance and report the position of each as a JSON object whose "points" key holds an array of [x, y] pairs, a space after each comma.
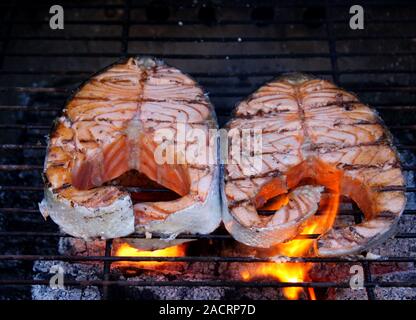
{"points": [[316, 135], [111, 126]]}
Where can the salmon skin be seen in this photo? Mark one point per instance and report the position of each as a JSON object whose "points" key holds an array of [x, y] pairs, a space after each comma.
{"points": [[110, 126], [318, 134]]}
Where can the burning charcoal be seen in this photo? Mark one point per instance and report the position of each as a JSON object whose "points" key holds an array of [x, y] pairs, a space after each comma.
{"points": [[346, 294], [397, 293]]}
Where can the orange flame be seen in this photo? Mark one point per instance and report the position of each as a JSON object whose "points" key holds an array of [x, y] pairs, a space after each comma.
{"points": [[126, 250], [297, 272]]}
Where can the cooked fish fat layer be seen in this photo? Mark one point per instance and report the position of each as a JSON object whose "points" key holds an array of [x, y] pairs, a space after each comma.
{"points": [[312, 131], [109, 127]]}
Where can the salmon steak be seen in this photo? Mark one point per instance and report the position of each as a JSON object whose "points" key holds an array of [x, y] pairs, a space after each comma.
{"points": [[314, 137], [121, 123]]}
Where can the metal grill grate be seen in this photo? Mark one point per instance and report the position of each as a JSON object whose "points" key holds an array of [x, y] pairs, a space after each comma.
{"points": [[230, 51]]}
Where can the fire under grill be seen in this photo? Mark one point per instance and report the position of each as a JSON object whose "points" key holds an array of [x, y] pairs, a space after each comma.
{"points": [[230, 49]]}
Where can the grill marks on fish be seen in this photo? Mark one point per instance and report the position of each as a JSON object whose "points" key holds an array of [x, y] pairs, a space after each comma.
{"points": [[108, 128], [313, 130]]}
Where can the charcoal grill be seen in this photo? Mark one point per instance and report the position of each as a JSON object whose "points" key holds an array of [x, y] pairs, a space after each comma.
{"points": [[230, 49]]}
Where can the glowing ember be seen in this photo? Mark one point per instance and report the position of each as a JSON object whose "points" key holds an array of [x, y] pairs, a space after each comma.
{"points": [[297, 272], [126, 250]]}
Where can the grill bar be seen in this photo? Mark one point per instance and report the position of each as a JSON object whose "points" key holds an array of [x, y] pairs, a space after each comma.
{"points": [[342, 212], [46, 127], [368, 277], [138, 189], [211, 56], [232, 5], [201, 39], [108, 258], [106, 267], [191, 23], [400, 235], [38, 146], [272, 284], [332, 45], [212, 74], [62, 91]]}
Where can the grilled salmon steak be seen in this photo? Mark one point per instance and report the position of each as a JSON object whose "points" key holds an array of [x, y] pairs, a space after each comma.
{"points": [[313, 135], [116, 123]]}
